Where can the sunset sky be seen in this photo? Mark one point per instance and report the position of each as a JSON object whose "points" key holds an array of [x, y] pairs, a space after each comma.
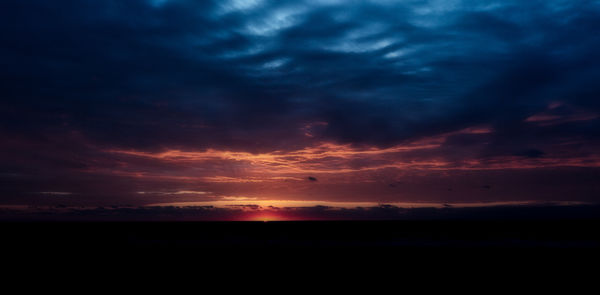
{"points": [[314, 103]]}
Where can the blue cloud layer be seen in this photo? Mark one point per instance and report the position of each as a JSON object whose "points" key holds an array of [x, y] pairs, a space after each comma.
{"points": [[251, 75], [241, 72]]}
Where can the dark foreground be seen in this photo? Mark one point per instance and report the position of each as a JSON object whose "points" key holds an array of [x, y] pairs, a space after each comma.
{"points": [[439, 234], [266, 249]]}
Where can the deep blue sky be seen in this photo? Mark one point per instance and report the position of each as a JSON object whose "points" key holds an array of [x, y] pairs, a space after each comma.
{"points": [[497, 100]]}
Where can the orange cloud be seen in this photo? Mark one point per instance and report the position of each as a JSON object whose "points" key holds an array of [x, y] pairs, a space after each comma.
{"points": [[326, 158]]}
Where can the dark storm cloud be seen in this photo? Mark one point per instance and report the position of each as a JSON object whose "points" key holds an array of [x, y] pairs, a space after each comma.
{"points": [[149, 74], [79, 78]]}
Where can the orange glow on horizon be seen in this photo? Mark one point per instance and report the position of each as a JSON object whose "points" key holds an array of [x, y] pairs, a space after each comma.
{"points": [[265, 217]]}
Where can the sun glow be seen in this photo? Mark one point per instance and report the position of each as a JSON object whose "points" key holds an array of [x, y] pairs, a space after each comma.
{"points": [[266, 217]]}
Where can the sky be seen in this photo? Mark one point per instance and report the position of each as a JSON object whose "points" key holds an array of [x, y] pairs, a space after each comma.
{"points": [[342, 104]]}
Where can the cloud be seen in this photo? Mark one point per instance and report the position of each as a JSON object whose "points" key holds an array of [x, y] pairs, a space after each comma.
{"points": [[161, 77], [531, 153], [56, 193], [98, 92], [175, 193]]}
